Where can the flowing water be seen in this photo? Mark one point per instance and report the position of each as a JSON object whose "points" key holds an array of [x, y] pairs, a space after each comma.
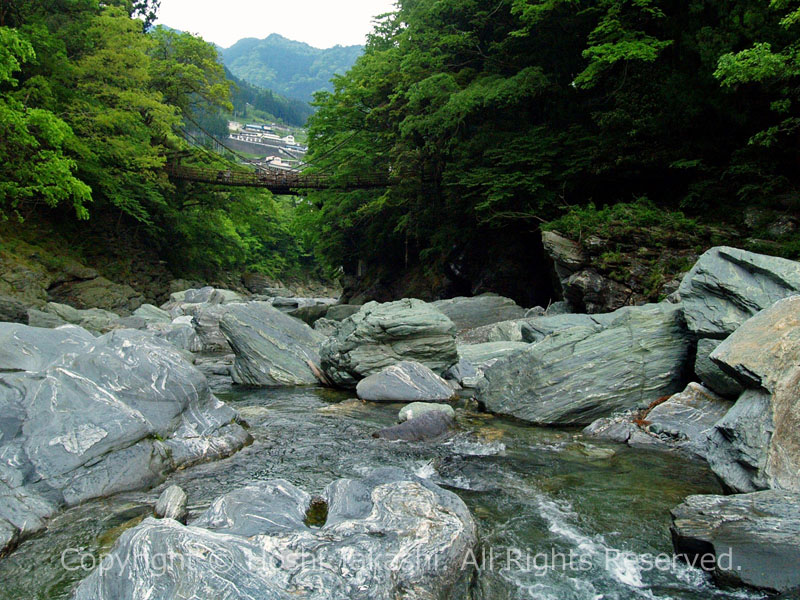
{"points": [[560, 517]]}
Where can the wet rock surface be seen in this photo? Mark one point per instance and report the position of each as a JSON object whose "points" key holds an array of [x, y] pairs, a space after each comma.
{"points": [[412, 538], [90, 417], [752, 539]]}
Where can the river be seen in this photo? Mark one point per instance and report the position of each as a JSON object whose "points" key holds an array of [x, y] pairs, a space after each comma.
{"points": [[560, 517]]}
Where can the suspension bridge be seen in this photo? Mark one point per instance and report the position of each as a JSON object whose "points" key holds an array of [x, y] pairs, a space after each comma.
{"points": [[287, 183]]}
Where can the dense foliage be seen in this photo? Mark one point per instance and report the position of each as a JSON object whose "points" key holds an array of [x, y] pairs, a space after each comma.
{"points": [[293, 69], [497, 116], [91, 110]]}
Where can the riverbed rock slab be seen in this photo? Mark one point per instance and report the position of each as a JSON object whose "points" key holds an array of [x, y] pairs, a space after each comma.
{"points": [[477, 311], [407, 381], [567, 256], [387, 535], [711, 374], [381, 335], [582, 373], [115, 415], [271, 348], [727, 286], [754, 538]]}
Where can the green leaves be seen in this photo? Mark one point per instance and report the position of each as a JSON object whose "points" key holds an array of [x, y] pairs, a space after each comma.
{"points": [[33, 166]]}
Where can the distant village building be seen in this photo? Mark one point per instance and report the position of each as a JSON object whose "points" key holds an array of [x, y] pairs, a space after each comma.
{"points": [[234, 126]]}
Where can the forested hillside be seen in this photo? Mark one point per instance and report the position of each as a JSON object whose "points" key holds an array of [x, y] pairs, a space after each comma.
{"points": [[92, 108], [293, 69], [499, 117]]}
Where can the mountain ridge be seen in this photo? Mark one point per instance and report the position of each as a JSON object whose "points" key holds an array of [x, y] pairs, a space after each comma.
{"points": [[288, 67]]}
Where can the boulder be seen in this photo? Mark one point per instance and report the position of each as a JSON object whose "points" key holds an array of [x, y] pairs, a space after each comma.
{"points": [[12, 311], [310, 314], [727, 286], [339, 312], [469, 313], [98, 293], [111, 414], [535, 330], [406, 381], [194, 296], [745, 539], [39, 318], [388, 535], [152, 314], [180, 335], [172, 504], [757, 444], [428, 426], [582, 373], [712, 376], [325, 327], [686, 419], [206, 318], [567, 256], [272, 348], [94, 319], [380, 335], [588, 291], [24, 348], [416, 409]]}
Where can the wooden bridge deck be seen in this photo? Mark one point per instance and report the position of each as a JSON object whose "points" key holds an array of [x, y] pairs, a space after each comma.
{"points": [[278, 182]]}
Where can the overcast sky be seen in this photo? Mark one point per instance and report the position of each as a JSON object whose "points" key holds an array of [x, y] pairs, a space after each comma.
{"points": [[321, 23]]}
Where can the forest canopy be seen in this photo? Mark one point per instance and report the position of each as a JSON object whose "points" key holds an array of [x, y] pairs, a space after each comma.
{"points": [[499, 116], [94, 103]]}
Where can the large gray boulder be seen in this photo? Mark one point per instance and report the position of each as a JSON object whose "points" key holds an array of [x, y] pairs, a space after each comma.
{"points": [[389, 535], [205, 320], [482, 356], [110, 414], [272, 348], [727, 286], [757, 444], [381, 335], [578, 374], [407, 381], [468, 313], [744, 539], [712, 376]]}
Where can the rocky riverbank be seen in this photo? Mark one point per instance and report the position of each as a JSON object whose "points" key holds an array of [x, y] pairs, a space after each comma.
{"points": [[94, 403]]}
